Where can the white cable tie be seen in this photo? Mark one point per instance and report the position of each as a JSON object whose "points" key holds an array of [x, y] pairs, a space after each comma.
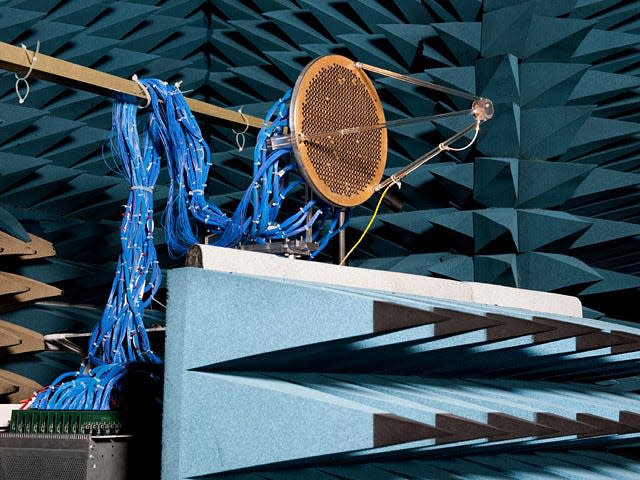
{"points": [[197, 190], [144, 90], [142, 187], [240, 138], [23, 80], [178, 84]]}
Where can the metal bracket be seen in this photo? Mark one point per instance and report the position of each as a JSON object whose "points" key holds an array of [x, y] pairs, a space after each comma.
{"points": [[288, 248]]}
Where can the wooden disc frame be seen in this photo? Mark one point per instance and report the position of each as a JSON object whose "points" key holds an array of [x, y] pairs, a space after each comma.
{"points": [[332, 94]]}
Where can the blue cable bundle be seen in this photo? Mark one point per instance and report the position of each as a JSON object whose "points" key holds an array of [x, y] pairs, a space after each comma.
{"points": [[255, 219], [119, 343], [271, 186], [119, 346]]}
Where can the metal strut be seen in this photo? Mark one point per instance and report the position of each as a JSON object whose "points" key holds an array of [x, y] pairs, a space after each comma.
{"points": [[416, 81], [397, 178], [481, 110]]}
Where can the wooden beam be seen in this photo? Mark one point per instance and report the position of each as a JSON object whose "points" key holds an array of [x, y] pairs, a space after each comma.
{"points": [[69, 74]]}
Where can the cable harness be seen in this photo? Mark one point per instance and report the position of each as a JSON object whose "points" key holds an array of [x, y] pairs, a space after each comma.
{"points": [[119, 347]]}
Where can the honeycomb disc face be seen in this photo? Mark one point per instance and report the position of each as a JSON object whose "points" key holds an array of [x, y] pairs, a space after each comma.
{"points": [[332, 94]]}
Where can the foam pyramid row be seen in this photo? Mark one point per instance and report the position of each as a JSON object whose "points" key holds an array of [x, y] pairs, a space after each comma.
{"points": [[23, 368], [287, 372]]}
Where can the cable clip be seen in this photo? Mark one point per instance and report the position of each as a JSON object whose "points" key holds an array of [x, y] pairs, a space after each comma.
{"points": [[395, 181], [240, 138], [142, 187], [144, 90], [23, 80]]}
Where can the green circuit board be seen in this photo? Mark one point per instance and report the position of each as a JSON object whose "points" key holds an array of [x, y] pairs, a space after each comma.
{"points": [[91, 422]]}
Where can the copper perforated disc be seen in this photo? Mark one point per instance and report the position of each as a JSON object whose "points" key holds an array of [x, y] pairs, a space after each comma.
{"points": [[332, 94]]}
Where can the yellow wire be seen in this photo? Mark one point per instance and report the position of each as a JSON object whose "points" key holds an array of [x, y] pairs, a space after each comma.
{"points": [[373, 217]]}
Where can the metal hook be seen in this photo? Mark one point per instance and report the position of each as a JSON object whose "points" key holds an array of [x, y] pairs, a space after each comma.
{"points": [[240, 138], [23, 80], [144, 90]]}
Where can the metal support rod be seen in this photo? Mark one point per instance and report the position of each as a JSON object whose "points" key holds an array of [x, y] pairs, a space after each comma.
{"points": [[426, 157], [286, 141], [308, 196], [342, 237], [16, 59], [415, 81], [390, 124]]}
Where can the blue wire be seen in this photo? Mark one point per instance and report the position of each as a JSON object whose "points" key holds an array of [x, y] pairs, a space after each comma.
{"points": [[119, 345]]}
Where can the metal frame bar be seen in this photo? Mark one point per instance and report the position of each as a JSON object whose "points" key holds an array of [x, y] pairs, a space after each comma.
{"points": [[397, 178], [416, 81]]}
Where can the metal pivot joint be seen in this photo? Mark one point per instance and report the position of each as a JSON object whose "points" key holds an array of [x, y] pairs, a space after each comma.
{"points": [[482, 109]]}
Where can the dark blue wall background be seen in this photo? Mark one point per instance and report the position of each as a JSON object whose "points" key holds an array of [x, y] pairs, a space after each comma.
{"points": [[548, 199]]}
